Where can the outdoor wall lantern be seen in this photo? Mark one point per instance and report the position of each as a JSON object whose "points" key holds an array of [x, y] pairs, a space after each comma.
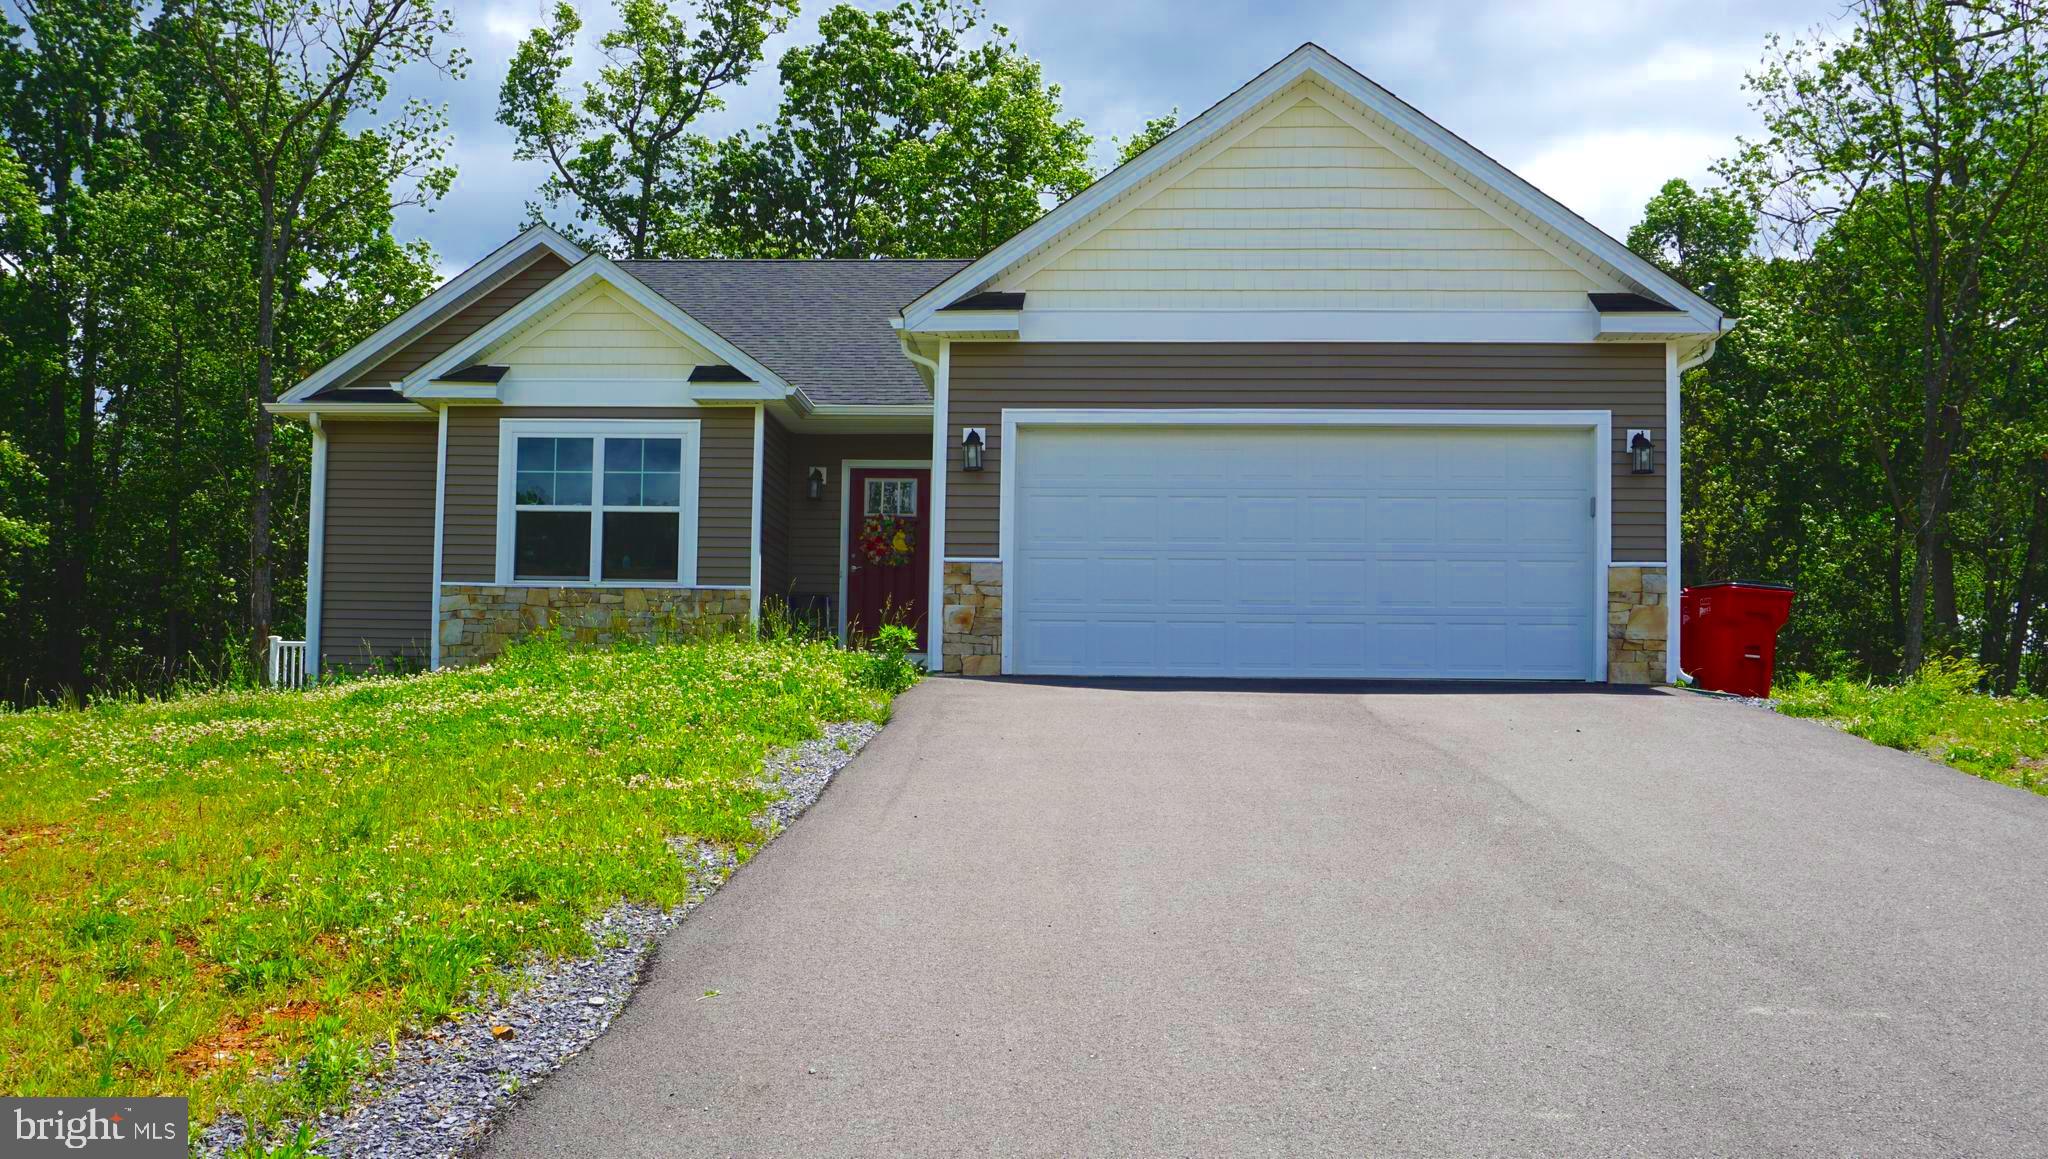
{"points": [[1642, 452], [972, 439], [814, 484]]}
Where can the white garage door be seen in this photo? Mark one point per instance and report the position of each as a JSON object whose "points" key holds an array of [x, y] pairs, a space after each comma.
{"points": [[1302, 551]]}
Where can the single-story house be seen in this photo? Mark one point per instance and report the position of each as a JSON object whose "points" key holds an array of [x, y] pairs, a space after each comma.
{"points": [[1311, 388]]}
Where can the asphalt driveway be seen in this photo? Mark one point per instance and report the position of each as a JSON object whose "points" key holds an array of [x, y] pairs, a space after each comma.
{"points": [[1043, 919]]}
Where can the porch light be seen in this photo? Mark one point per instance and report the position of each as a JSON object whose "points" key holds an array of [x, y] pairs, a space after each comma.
{"points": [[1642, 451], [814, 484], [971, 441]]}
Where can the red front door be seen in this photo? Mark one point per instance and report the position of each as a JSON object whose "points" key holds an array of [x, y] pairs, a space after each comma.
{"points": [[888, 561]]}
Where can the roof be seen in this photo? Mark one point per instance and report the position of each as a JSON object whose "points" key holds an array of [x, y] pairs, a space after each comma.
{"points": [[1630, 304], [823, 325]]}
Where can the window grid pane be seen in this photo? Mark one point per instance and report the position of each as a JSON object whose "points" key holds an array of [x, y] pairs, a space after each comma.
{"points": [[559, 471]]}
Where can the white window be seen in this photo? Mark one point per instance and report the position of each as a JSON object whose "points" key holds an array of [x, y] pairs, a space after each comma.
{"points": [[582, 502], [890, 497]]}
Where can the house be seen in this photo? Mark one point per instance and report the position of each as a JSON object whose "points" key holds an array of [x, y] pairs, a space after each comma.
{"points": [[1311, 388]]}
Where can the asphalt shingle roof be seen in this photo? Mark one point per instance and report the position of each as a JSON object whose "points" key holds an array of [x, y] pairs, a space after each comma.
{"points": [[822, 325]]}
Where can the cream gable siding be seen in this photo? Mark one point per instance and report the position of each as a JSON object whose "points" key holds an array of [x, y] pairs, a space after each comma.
{"points": [[1303, 212], [598, 336]]}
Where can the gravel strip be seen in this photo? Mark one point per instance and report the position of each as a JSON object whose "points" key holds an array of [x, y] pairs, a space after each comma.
{"points": [[444, 1089]]}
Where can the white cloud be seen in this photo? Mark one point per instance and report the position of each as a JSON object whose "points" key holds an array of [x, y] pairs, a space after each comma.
{"points": [[1606, 177]]}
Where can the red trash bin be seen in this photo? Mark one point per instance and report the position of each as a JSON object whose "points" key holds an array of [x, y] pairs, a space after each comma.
{"points": [[1728, 634]]}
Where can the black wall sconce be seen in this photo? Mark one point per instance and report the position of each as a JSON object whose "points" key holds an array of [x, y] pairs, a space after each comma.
{"points": [[972, 440], [1642, 452], [814, 484]]}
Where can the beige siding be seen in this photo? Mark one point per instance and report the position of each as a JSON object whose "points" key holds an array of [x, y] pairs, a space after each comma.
{"points": [[378, 576], [814, 525], [597, 337], [1309, 212], [776, 496], [1625, 379], [724, 486], [453, 325]]}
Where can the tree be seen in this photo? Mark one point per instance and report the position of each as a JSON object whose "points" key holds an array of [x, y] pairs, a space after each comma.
{"points": [[900, 135], [291, 76], [1156, 130], [624, 154], [1899, 159]]}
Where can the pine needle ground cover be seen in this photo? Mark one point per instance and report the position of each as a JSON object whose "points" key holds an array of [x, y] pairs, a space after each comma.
{"points": [[1938, 713], [199, 894]]}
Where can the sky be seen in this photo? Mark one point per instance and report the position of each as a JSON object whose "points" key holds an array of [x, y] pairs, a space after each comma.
{"points": [[1597, 102]]}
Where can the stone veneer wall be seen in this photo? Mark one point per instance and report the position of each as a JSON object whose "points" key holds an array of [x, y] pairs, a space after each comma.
{"points": [[973, 603], [479, 620], [1638, 624]]}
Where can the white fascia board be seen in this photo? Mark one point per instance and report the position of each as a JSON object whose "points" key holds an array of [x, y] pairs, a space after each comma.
{"points": [[449, 291], [457, 391], [891, 409], [349, 410], [1311, 60], [714, 393], [1310, 326], [974, 323], [1653, 324], [593, 266]]}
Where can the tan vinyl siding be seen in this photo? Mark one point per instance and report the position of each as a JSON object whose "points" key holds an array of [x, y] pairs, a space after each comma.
{"points": [[598, 337], [814, 525], [1305, 211], [454, 325], [776, 496], [1625, 379], [377, 581], [724, 486]]}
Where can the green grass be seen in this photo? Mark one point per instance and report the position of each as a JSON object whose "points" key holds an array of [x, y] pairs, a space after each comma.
{"points": [[201, 892], [1937, 713]]}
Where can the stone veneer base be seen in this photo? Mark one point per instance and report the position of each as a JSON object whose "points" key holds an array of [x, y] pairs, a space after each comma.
{"points": [[1638, 624], [479, 620], [972, 634]]}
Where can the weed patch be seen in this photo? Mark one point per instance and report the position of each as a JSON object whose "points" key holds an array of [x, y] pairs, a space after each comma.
{"points": [[231, 896], [1937, 713]]}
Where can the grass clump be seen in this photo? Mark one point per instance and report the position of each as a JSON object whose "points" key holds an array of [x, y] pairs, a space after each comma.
{"points": [[199, 893], [1938, 713]]}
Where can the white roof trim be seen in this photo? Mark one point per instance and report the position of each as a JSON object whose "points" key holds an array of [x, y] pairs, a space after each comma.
{"points": [[454, 289], [598, 267], [1457, 155]]}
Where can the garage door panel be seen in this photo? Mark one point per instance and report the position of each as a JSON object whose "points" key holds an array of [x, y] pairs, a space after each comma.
{"points": [[1334, 584], [1318, 552], [1401, 522], [1195, 520], [1262, 584]]}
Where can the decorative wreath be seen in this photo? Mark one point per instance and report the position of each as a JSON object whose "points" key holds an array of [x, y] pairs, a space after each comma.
{"points": [[889, 540]]}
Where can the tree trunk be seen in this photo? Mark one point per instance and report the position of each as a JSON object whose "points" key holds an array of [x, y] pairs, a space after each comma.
{"points": [[2029, 583], [259, 503]]}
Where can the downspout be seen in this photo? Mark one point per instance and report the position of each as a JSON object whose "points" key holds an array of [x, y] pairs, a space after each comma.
{"points": [[440, 522], [1674, 532], [935, 582]]}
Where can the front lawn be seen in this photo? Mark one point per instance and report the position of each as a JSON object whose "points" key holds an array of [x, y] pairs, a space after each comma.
{"points": [[200, 892], [1940, 714]]}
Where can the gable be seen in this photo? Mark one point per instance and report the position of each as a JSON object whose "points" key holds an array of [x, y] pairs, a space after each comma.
{"points": [[597, 335], [1300, 209], [459, 321], [1311, 205]]}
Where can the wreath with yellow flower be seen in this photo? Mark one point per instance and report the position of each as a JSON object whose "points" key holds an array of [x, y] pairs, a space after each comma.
{"points": [[888, 540]]}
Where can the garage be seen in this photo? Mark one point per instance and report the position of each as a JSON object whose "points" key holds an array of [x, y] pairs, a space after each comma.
{"points": [[1402, 545]]}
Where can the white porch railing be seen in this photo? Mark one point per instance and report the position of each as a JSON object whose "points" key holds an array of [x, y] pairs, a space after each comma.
{"points": [[287, 663]]}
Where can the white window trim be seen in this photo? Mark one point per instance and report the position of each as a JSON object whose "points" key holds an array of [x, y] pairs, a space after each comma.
{"points": [[933, 623], [690, 431], [1599, 425]]}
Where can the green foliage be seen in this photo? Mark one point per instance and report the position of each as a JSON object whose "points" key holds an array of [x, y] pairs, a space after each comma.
{"points": [[1156, 130], [899, 135], [201, 892], [887, 664], [624, 156], [1939, 712]]}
